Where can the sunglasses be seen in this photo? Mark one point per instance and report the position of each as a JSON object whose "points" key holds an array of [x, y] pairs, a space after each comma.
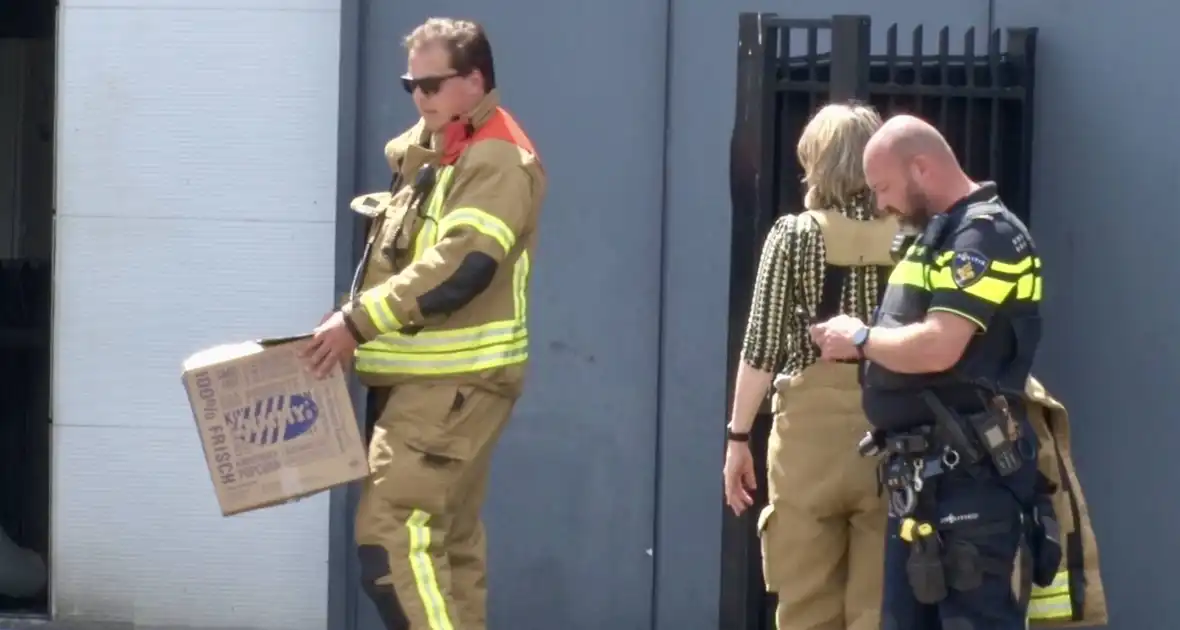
{"points": [[429, 85]]}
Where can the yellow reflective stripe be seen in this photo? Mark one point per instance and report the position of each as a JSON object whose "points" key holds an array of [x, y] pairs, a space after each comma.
{"points": [[1051, 602], [379, 311], [1015, 268], [1045, 609], [909, 272], [424, 574], [483, 222], [428, 233], [520, 287], [1029, 262], [987, 288], [1059, 586], [459, 362], [955, 311], [437, 341]]}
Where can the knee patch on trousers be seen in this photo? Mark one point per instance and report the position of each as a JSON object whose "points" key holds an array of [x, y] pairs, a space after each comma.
{"points": [[375, 572]]}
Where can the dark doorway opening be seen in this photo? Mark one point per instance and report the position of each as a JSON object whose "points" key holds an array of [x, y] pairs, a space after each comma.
{"points": [[27, 76], [979, 95]]}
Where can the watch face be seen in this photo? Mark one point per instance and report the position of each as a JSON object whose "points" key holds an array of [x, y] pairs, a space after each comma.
{"points": [[861, 336]]}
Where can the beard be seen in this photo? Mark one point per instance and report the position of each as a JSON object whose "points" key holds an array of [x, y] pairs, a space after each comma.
{"points": [[917, 213]]}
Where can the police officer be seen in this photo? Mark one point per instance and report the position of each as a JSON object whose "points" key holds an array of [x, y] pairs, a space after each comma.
{"points": [[944, 364], [438, 321]]}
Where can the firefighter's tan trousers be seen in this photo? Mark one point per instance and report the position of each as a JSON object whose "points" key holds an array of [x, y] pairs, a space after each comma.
{"points": [[418, 529], [823, 532]]}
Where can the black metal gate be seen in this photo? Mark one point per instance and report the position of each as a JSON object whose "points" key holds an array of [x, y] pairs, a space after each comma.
{"points": [[982, 101]]}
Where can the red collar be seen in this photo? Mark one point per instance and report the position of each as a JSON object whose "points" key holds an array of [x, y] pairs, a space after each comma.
{"points": [[456, 136]]}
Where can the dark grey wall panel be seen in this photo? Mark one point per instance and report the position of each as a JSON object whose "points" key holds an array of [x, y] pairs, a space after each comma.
{"points": [[573, 495], [1104, 201]]}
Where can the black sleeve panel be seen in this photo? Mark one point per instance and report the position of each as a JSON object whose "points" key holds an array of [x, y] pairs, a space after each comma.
{"points": [[471, 278]]}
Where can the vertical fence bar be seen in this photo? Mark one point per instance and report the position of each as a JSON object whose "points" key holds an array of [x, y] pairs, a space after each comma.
{"points": [[1022, 52], [812, 66], [944, 63], [891, 65], [916, 63], [995, 83], [751, 191], [851, 43], [786, 142], [969, 110]]}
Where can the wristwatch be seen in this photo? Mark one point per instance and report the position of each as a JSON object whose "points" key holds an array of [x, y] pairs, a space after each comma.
{"points": [[859, 339], [731, 436]]}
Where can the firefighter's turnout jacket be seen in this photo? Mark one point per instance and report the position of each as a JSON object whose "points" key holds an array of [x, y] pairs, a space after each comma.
{"points": [[444, 283], [1077, 597]]}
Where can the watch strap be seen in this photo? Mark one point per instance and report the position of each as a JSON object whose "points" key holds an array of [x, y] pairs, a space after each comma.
{"points": [[732, 436], [863, 334]]}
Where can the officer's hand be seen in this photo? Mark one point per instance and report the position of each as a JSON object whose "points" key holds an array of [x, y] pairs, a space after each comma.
{"points": [[739, 477], [331, 345], [834, 337]]}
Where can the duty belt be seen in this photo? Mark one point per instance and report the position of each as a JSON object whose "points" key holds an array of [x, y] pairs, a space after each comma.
{"points": [[910, 460]]}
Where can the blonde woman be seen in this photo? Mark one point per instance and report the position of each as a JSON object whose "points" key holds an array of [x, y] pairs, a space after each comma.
{"points": [[823, 531]]}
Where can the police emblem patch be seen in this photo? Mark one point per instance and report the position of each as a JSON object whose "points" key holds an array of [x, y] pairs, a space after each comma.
{"points": [[967, 267]]}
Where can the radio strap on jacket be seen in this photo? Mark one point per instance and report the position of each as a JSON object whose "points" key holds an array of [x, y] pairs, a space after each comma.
{"points": [[424, 181]]}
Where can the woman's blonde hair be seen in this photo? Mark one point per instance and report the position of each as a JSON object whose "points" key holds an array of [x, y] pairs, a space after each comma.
{"points": [[831, 152]]}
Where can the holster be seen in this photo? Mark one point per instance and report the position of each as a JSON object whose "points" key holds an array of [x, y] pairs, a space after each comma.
{"points": [[926, 571], [1044, 541]]}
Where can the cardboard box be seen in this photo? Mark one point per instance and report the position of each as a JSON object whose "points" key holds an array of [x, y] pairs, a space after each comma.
{"points": [[272, 433]]}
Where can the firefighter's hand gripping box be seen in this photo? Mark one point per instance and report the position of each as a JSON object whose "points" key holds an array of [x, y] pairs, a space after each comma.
{"points": [[272, 433]]}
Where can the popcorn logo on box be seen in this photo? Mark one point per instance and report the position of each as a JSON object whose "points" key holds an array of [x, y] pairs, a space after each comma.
{"points": [[274, 419]]}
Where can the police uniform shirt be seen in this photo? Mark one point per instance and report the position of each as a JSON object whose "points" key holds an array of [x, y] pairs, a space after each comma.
{"points": [[977, 261]]}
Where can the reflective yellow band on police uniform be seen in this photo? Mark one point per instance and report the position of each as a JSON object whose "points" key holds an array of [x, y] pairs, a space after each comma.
{"points": [[987, 288], [1017, 268], [425, 576], [377, 308], [909, 272], [1051, 602], [483, 222], [1027, 284]]}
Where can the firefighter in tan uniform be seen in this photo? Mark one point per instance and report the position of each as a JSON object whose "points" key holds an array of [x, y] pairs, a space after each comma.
{"points": [[823, 531], [439, 327]]}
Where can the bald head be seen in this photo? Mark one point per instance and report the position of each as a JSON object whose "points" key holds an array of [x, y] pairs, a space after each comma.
{"points": [[906, 137], [912, 170]]}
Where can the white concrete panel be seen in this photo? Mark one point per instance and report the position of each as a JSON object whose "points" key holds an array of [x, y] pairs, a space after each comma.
{"points": [[138, 538], [134, 297], [184, 113], [207, 5], [196, 185]]}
